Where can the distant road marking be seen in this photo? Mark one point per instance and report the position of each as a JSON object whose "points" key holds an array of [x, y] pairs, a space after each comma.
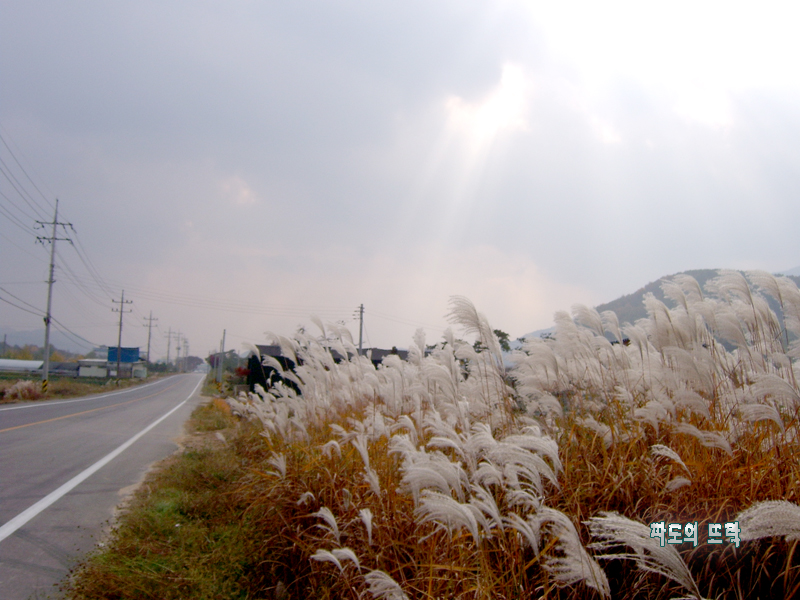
{"points": [[29, 513], [82, 399], [83, 412]]}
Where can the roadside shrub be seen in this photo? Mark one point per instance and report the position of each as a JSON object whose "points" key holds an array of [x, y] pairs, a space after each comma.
{"points": [[23, 390]]}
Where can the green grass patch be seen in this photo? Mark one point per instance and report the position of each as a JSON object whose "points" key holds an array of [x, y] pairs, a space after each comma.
{"points": [[186, 533]]}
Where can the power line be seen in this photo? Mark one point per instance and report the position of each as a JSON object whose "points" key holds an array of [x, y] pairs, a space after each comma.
{"points": [[18, 299], [11, 152], [21, 308], [73, 278], [403, 321], [90, 268], [15, 183], [229, 306], [63, 329], [13, 218], [24, 251]]}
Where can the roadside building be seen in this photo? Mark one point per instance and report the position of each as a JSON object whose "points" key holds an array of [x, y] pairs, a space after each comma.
{"points": [[92, 367]]}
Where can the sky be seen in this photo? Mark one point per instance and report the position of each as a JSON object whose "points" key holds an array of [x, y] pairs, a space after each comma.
{"points": [[243, 165]]}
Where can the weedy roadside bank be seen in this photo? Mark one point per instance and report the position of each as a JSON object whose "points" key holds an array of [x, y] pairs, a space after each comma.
{"points": [[185, 532], [14, 389]]}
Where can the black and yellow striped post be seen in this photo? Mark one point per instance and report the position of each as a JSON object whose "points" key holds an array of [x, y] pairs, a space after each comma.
{"points": [[44, 386]]}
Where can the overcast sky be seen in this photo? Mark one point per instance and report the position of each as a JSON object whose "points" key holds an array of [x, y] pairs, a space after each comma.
{"points": [[241, 165]]}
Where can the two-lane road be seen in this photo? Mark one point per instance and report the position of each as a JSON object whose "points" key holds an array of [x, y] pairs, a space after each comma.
{"points": [[62, 466]]}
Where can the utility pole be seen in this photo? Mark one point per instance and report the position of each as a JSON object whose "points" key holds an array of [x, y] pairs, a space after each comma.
{"points": [[178, 353], [221, 358], [360, 330], [169, 343], [52, 239], [121, 310], [185, 353], [149, 331]]}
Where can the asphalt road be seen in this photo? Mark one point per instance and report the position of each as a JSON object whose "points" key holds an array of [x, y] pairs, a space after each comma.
{"points": [[64, 467]]}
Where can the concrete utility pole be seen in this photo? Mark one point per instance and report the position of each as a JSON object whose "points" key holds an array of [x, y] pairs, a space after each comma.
{"points": [[221, 357], [149, 331], [121, 310], [169, 343], [178, 352], [360, 330], [52, 239]]}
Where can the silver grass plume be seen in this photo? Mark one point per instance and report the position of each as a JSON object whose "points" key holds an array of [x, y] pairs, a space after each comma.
{"points": [[331, 525], [612, 530], [330, 447], [336, 557], [423, 470], [445, 512], [305, 498], [667, 452], [601, 429], [573, 564], [674, 292], [773, 518], [485, 506], [709, 439], [610, 322], [279, 462], [588, 317], [463, 312], [360, 443], [366, 518], [383, 587], [676, 483], [690, 287], [652, 413], [761, 412], [527, 528], [327, 556], [371, 477], [775, 387], [693, 401]]}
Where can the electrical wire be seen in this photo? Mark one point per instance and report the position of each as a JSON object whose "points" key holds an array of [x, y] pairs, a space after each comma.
{"points": [[403, 321], [21, 308], [63, 329], [28, 304], [227, 305], [6, 172], [90, 268], [3, 136], [99, 290], [73, 278], [14, 219], [24, 251]]}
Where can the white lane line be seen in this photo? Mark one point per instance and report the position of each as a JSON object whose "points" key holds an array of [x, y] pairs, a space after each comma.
{"points": [[84, 399], [30, 512]]}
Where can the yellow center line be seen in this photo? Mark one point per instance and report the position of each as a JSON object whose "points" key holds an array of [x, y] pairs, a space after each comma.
{"points": [[88, 411]]}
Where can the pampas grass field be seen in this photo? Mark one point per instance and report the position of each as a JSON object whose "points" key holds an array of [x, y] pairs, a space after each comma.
{"points": [[449, 475]]}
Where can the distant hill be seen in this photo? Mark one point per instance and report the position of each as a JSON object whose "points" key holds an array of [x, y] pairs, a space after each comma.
{"points": [[794, 272], [36, 338], [630, 308]]}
